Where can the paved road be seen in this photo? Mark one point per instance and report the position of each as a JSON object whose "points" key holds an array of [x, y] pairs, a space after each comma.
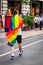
{"points": [[33, 52]]}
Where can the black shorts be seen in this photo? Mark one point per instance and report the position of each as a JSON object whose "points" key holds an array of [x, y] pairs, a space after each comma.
{"points": [[19, 39], [36, 25], [6, 29]]}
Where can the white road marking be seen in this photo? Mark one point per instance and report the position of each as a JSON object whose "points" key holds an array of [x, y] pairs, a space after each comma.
{"points": [[23, 47]]}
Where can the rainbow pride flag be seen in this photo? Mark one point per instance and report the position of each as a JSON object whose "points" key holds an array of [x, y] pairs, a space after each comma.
{"points": [[15, 23]]}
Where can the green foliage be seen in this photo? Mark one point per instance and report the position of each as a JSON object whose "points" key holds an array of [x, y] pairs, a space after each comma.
{"points": [[21, 2], [25, 20], [24, 1], [28, 20]]}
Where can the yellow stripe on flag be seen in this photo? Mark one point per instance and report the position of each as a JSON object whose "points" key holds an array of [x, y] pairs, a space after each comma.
{"points": [[12, 37]]}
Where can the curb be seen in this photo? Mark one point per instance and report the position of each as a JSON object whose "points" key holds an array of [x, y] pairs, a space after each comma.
{"points": [[25, 34]]}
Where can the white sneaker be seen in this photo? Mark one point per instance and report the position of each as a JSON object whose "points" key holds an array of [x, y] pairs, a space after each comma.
{"points": [[12, 56], [20, 53]]}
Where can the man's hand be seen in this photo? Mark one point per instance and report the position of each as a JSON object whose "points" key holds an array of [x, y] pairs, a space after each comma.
{"points": [[23, 25]]}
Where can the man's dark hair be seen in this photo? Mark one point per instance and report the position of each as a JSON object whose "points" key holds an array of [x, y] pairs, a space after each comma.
{"points": [[0, 16], [15, 12]]}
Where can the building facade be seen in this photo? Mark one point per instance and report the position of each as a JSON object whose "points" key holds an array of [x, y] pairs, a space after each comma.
{"points": [[24, 8], [36, 6]]}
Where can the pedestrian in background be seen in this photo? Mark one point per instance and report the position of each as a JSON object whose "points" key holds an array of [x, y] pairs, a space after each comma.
{"points": [[21, 15], [40, 21], [8, 16], [1, 22], [36, 21]]}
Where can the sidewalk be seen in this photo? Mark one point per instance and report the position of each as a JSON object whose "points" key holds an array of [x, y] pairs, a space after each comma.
{"points": [[25, 34], [31, 33]]}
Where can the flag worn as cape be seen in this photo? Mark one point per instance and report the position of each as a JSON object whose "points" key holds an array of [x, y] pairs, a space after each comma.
{"points": [[15, 23]]}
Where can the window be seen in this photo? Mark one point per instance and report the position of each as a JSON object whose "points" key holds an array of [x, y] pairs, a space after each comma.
{"points": [[25, 9], [14, 5]]}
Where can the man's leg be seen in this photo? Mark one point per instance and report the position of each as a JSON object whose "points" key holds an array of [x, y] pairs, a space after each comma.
{"points": [[19, 40], [20, 46], [20, 49], [41, 25], [12, 52]]}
